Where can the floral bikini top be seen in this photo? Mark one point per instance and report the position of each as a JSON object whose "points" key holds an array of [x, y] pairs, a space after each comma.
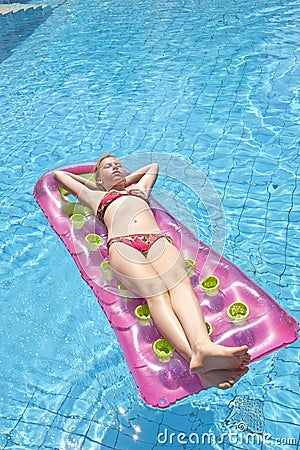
{"points": [[110, 196]]}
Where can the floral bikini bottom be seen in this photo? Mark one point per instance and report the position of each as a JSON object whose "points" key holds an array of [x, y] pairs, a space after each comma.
{"points": [[141, 242]]}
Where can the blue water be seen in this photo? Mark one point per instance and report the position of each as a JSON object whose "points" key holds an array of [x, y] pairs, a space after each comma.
{"points": [[213, 82]]}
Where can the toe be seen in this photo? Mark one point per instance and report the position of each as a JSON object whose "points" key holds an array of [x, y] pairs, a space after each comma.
{"points": [[242, 351]]}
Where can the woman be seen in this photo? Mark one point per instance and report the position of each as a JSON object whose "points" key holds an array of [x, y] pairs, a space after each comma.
{"points": [[150, 266]]}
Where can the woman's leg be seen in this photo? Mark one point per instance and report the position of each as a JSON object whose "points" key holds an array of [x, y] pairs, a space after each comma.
{"points": [[163, 313], [206, 356], [139, 276]]}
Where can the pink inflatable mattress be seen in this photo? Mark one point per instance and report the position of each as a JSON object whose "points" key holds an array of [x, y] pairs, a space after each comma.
{"points": [[236, 310]]}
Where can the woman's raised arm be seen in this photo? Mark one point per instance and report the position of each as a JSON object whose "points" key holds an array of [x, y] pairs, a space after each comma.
{"points": [[80, 187], [144, 177], [72, 182]]}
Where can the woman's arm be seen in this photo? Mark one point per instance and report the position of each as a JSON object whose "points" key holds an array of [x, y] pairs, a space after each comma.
{"points": [[85, 190], [64, 179], [144, 177]]}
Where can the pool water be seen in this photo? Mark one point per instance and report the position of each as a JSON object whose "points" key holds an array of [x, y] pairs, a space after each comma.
{"points": [[215, 83]]}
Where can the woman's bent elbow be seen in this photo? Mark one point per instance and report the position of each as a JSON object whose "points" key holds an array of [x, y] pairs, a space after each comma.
{"points": [[58, 175]]}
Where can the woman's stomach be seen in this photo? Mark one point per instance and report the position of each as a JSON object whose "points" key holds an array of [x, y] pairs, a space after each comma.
{"points": [[132, 218]]}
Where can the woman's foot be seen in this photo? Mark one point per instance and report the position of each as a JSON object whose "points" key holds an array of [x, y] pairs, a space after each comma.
{"points": [[213, 357], [222, 379]]}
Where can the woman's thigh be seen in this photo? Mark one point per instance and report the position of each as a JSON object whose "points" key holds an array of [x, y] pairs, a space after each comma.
{"points": [[135, 271], [168, 262]]}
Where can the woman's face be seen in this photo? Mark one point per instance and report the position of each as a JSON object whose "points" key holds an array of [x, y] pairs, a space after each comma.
{"points": [[111, 173]]}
